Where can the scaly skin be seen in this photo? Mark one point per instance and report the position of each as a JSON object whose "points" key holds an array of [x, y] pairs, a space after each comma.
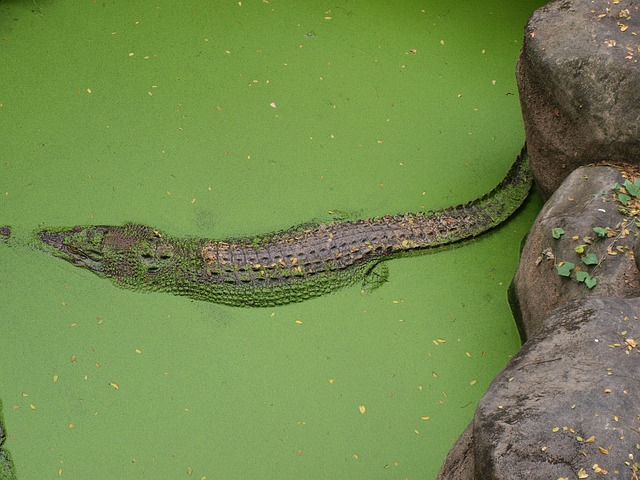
{"points": [[282, 267], [7, 470]]}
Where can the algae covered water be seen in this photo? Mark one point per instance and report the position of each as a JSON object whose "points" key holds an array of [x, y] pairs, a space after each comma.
{"points": [[222, 119]]}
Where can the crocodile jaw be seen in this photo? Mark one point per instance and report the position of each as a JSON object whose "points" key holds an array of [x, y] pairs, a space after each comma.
{"points": [[73, 246]]}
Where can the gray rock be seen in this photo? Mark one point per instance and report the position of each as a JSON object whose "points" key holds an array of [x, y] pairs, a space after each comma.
{"points": [[579, 81], [568, 401], [584, 201], [459, 464]]}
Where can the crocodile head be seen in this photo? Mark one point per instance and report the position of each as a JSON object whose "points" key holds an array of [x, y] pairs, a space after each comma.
{"points": [[133, 254]]}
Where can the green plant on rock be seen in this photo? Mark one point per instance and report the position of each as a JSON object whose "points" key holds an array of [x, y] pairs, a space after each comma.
{"points": [[586, 257], [625, 193], [628, 198]]}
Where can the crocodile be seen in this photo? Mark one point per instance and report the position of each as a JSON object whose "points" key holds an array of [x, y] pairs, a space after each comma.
{"points": [[281, 267], [7, 469]]}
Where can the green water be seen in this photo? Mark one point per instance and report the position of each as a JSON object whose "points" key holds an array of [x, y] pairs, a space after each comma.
{"points": [[232, 118]]}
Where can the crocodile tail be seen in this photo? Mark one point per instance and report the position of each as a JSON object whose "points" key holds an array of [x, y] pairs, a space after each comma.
{"points": [[501, 202], [468, 220]]}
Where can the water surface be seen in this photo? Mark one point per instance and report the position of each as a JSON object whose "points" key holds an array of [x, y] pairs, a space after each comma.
{"points": [[234, 118]]}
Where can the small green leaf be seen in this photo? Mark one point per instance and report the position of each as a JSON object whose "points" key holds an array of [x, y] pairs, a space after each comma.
{"points": [[580, 249], [557, 232], [584, 277], [623, 198], [632, 188], [615, 186], [590, 259], [602, 232], [581, 276], [564, 268]]}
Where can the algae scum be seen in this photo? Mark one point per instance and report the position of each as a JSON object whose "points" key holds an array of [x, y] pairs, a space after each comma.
{"points": [[221, 120]]}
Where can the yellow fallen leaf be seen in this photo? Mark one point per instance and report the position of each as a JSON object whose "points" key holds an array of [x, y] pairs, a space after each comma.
{"points": [[603, 450], [598, 469], [362, 408], [114, 385]]}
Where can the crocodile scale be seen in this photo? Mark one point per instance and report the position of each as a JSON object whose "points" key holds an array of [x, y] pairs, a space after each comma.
{"points": [[281, 267]]}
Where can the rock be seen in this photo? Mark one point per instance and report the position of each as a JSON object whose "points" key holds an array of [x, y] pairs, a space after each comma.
{"points": [[568, 402], [459, 464], [579, 81], [583, 202]]}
